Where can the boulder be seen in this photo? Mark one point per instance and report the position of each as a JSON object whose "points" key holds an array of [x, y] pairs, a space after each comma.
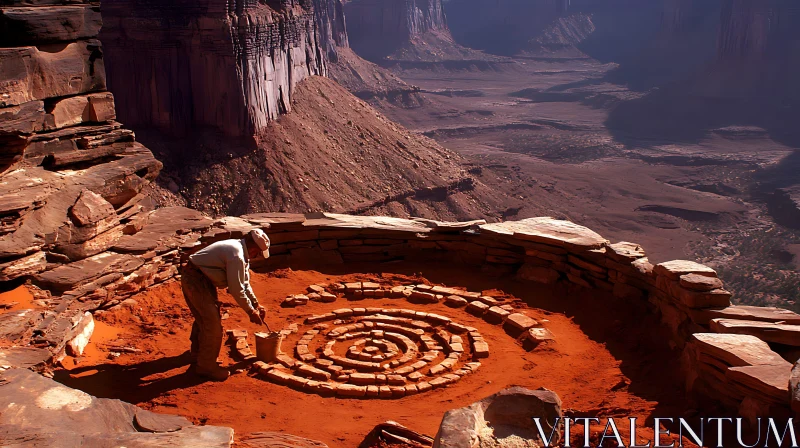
{"points": [[504, 419], [83, 331], [90, 208], [50, 414]]}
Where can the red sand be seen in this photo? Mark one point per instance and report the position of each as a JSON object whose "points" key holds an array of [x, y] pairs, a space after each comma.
{"points": [[16, 299], [579, 366]]}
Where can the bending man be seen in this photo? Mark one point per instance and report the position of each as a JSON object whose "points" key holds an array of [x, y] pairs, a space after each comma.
{"points": [[222, 264]]}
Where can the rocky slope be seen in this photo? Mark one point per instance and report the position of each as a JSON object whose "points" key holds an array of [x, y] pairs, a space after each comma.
{"points": [[332, 153], [230, 66]]}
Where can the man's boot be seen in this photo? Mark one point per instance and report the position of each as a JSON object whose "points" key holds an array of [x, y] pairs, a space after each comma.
{"points": [[214, 372]]}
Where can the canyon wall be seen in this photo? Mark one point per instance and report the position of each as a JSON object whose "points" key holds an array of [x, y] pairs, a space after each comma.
{"points": [[503, 26], [378, 28], [362, 78], [331, 27], [232, 66]]}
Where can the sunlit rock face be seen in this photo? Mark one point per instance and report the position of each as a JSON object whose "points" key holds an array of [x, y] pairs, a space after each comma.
{"points": [[228, 65]]}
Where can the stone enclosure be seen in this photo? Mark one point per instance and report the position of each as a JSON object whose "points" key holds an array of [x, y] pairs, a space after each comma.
{"points": [[76, 221]]}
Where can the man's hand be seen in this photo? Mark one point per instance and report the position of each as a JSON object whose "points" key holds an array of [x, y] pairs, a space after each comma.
{"points": [[262, 312], [255, 317]]}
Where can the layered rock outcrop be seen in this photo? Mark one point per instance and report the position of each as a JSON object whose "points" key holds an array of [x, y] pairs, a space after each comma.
{"points": [[231, 66], [73, 182], [72, 176]]}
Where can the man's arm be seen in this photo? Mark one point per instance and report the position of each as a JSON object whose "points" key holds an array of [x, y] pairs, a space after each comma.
{"points": [[238, 285], [249, 290]]}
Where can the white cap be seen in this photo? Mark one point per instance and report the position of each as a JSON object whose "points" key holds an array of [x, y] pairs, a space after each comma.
{"points": [[262, 241]]}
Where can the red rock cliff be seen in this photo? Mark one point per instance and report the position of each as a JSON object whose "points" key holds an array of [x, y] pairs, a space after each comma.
{"points": [[377, 27], [228, 65]]}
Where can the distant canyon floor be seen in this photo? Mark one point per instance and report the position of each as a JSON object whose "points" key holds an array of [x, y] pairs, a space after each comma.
{"points": [[643, 166]]}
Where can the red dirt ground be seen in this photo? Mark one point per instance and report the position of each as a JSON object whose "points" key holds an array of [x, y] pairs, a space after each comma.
{"points": [[621, 377]]}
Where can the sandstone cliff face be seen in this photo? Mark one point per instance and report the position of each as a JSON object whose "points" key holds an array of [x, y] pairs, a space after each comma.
{"points": [[364, 79], [379, 28], [232, 66], [394, 20], [331, 27], [744, 28]]}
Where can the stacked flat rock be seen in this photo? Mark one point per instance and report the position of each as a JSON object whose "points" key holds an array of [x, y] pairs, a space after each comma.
{"points": [[72, 178], [739, 367]]}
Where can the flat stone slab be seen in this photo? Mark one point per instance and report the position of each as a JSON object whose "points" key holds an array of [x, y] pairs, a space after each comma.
{"points": [[50, 414], [278, 440], [338, 221], [151, 422], [737, 350], [162, 228], [15, 324], [539, 335], [23, 357], [697, 282], [772, 381], [625, 251], [518, 322], [766, 331], [676, 268], [64, 278], [549, 231], [744, 312]]}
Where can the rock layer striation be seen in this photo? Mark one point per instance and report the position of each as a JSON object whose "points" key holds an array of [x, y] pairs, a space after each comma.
{"points": [[232, 66]]}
